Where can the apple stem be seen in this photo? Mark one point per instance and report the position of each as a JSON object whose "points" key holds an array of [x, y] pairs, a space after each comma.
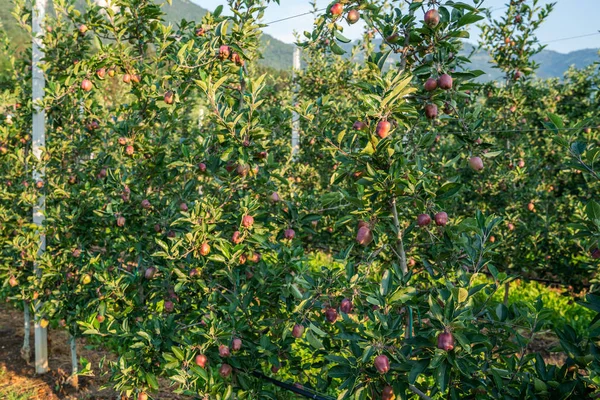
{"points": [[400, 243]]}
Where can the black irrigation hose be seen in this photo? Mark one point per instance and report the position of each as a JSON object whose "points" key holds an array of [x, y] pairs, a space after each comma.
{"points": [[291, 388]]}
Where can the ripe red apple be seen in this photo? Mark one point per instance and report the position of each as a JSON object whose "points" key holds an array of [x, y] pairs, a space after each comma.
{"points": [[430, 85], [492, 239], [149, 273], [518, 19], [382, 364], [289, 234], [169, 97], [387, 393], [120, 221], [511, 227], [235, 57], [236, 344], [183, 207], [236, 238], [242, 169], [445, 82], [476, 163], [194, 272], [393, 38], [595, 253], [297, 331], [531, 206], [255, 257], [126, 78], [431, 110], [423, 220], [86, 85], [39, 184], [205, 249], [331, 315], [101, 73], [142, 396], [364, 236], [201, 360], [353, 16], [336, 9], [274, 369], [100, 318], [136, 78], [224, 351], [202, 167], [224, 52], [346, 306], [441, 218], [432, 18], [13, 281], [521, 163], [82, 29], [247, 221], [225, 370], [383, 129], [129, 150], [243, 259], [513, 109], [359, 126], [445, 341], [146, 204], [274, 197], [200, 32]]}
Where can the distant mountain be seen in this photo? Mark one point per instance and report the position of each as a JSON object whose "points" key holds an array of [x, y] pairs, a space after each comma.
{"points": [[278, 55]]}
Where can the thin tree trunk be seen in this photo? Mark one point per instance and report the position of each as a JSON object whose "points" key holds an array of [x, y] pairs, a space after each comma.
{"points": [[75, 365], [26, 349], [506, 289]]}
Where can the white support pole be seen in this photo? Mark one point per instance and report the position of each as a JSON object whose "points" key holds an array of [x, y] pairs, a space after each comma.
{"points": [[74, 364], [26, 349], [295, 116], [38, 143]]}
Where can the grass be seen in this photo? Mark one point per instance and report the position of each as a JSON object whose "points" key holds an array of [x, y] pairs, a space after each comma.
{"points": [[13, 392]]}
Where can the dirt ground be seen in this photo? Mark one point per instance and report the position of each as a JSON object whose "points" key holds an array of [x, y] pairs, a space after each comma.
{"points": [[18, 380]]}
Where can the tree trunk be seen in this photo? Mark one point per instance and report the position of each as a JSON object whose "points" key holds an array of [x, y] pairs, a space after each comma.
{"points": [[26, 349]]}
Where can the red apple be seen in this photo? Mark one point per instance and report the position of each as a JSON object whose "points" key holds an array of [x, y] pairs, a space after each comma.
{"points": [[423, 220], [183, 207], [205, 249], [359, 126], [146, 204], [200, 32], [346, 306], [274, 369], [445, 341], [430, 85], [445, 82], [86, 85], [511, 227], [225, 370], [236, 238], [353, 16], [82, 29], [255, 257], [336, 9], [521, 163], [129, 150], [382, 364], [387, 393], [201, 360], [13, 281], [120, 221], [142, 396], [169, 97], [364, 236], [431, 110], [247, 221], [224, 52], [289, 234], [476, 163], [235, 57], [236, 344], [101, 73], [432, 18], [224, 351], [126, 78], [595, 253], [274, 197], [297, 331], [149, 273], [531, 206], [383, 129], [202, 167], [331, 315], [441, 218]]}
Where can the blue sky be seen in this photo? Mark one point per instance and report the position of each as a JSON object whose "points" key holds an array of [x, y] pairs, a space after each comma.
{"points": [[569, 18]]}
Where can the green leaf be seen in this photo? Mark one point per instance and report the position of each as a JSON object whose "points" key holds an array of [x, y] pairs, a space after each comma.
{"points": [[338, 35], [469, 19], [314, 341], [336, 49], [385, 282]]}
